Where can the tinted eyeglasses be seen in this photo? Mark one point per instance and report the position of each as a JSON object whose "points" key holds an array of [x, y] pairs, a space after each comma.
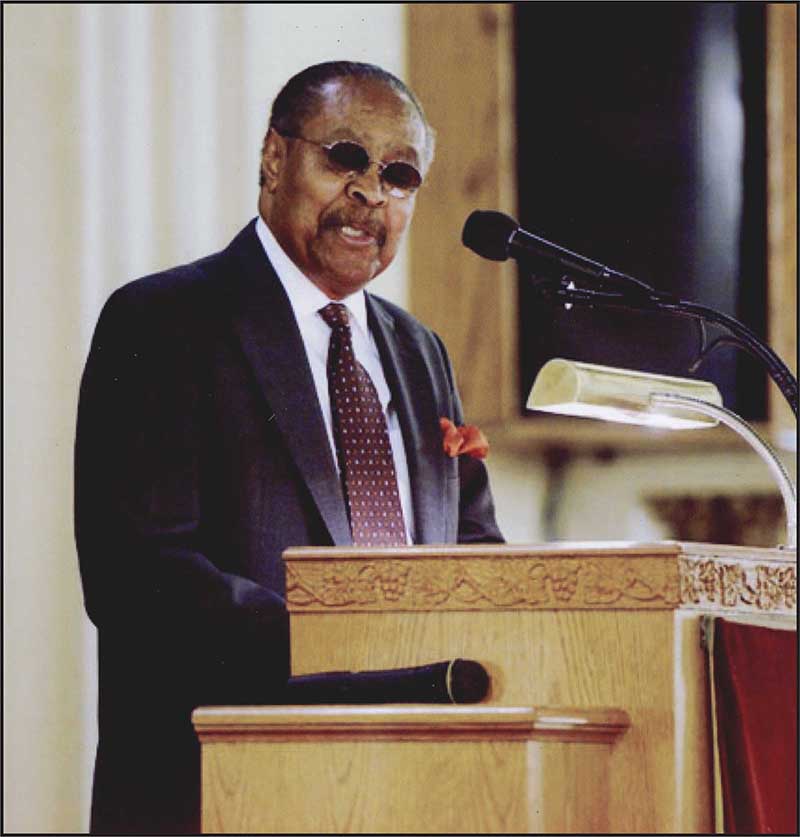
{"points": [[347, 157]]}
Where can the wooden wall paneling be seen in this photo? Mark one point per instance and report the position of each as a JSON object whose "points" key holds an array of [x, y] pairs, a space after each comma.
{"points": [[461, 66], [782, 198]]}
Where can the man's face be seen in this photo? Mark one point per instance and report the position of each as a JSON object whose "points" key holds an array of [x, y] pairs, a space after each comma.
{"points": [[342, 230]]}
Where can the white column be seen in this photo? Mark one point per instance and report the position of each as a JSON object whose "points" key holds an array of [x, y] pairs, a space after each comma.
{"points": [[44, 655]]}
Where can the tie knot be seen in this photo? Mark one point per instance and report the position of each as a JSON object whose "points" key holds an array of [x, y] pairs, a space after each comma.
{"points": [[335, 315]]}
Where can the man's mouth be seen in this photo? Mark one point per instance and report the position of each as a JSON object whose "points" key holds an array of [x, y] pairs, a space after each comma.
{"points": [[356, 235], [361, 233]]}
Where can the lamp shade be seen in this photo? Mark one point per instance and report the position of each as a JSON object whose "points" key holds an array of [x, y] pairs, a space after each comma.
{"points": [[572, 388]]}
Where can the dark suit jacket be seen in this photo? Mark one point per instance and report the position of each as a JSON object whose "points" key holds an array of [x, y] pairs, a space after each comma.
{"points": [[201, 455]]}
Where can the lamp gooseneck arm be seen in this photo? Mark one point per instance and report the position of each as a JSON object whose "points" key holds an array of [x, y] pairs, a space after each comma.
{"points": [[762, 448], [624, 295]]}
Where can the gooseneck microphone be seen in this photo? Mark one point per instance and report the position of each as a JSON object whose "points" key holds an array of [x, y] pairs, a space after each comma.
{"points": [[563, 277], [497, 236]]}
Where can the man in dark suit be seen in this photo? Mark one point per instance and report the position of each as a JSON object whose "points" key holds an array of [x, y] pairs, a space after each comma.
{"points": [[208, 441]]}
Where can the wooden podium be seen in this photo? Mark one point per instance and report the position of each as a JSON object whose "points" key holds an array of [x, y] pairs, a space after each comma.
{"points": [[597, 718]]}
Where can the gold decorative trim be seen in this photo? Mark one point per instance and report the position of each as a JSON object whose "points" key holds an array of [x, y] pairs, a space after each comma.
{"points": [[749, 586], [518, 583]]}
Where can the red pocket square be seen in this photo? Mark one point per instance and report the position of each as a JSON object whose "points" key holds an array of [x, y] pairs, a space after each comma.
{"points": [[465, 439]]}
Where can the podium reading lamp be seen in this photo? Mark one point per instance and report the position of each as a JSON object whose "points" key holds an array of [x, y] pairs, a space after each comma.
{"points": [[662, 401]]}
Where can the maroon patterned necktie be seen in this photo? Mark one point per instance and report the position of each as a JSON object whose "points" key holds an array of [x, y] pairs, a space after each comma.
{"points": [[362, 441]]}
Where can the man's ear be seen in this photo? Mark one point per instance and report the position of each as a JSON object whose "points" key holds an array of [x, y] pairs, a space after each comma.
{"points": [[273, 159]]}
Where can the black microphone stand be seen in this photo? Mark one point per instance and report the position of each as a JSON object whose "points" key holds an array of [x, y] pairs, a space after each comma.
{"points": [[625, 292]]}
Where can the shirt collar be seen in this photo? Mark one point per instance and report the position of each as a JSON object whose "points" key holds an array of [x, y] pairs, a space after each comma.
{"points": [[305, 297]]}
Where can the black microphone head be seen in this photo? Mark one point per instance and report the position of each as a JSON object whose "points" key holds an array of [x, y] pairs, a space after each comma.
{"points": [[489, 233], [469, 681]]}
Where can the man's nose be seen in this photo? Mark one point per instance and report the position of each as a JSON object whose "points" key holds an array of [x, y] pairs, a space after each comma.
{"points": [[367, 188]]}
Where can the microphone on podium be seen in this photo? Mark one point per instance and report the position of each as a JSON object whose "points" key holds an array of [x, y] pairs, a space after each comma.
{"points": [[451, 681], [497, 236]]}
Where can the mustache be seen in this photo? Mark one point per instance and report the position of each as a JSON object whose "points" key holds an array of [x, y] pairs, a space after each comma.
{"points": [[368, 223]]}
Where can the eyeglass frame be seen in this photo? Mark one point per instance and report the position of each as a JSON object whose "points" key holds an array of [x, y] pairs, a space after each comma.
{"points": [[327, 146]]}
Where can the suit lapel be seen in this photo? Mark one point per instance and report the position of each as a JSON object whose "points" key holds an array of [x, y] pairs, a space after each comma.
{"points": [[409, 380], [266, 326]]}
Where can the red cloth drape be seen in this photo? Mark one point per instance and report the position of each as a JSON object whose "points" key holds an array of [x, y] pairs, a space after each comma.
{"points": [[755, 683]]}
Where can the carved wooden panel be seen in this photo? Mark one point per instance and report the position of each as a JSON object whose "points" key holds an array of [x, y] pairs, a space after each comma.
{"points": [[742, 585], [667, 576], [521, 583]]}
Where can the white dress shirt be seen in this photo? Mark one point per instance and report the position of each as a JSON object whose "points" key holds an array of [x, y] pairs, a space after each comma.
{"points": [[306, 300]]}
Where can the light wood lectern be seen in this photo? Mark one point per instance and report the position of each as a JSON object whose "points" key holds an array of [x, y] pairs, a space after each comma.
{"points": [[597, 718]]}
